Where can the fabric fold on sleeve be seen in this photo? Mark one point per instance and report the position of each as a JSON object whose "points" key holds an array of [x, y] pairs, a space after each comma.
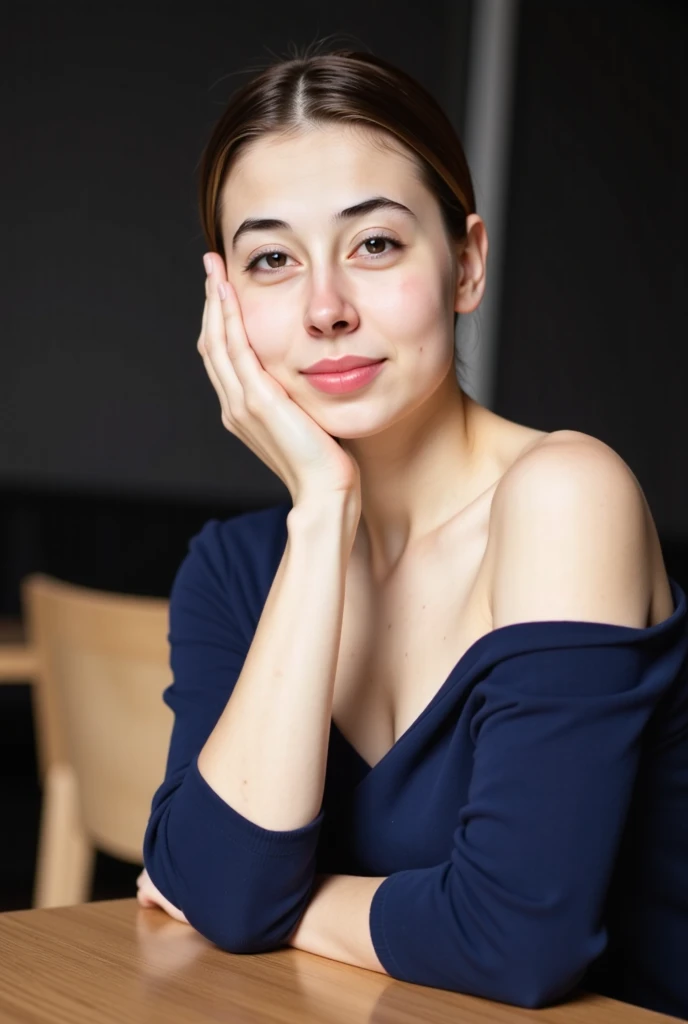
{"points": [[516, 914]]}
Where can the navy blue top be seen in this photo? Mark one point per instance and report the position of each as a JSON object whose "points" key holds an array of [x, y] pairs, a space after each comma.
{"points": [[532, 821]]}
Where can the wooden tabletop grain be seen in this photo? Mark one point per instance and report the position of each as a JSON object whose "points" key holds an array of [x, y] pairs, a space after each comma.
{"points": [[113, 962]]}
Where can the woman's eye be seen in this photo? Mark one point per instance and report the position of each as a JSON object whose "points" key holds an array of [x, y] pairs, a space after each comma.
{"points": [[377, 242], [268, 256]]}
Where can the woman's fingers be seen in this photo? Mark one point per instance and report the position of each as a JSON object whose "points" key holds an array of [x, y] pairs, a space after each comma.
{"points": [[257, 408], [233, 359], [210, 369], [216, 348], [231, 413]]}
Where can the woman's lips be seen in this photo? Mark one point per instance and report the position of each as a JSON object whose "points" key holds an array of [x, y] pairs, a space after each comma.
{"points": [[347, 380]]}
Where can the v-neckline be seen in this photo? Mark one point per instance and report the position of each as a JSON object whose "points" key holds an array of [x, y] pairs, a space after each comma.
{"points": [[471, 653], [439, 694]]}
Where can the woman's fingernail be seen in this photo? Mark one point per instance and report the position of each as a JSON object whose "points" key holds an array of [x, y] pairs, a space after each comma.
{"points": [[222, 290], [208, 264]]}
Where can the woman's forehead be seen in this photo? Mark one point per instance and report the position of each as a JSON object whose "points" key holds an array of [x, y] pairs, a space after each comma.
{"points": [[333, 167]]}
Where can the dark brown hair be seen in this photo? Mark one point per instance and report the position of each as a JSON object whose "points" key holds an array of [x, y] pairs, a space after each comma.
{"points": [[347, 87]]}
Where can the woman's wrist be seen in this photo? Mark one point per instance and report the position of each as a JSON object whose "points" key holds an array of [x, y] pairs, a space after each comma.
{"points": [[324, 515]]}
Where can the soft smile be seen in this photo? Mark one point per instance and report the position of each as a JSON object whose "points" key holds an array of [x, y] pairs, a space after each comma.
{"points": [[346, 380]]}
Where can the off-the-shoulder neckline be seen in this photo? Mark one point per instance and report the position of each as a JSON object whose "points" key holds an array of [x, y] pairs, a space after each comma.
{"points": [[549, 630], [540, 632]]}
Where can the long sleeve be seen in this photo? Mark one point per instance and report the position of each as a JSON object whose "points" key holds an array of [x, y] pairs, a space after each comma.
{"points": [[242, 886], [557, 714]]}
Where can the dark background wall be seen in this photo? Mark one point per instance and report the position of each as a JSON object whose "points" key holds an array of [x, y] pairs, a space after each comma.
{"points": [[112, 453]]}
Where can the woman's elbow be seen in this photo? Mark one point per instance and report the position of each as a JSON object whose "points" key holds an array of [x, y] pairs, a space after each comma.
{"points": [[542, 974], [238, 927]]}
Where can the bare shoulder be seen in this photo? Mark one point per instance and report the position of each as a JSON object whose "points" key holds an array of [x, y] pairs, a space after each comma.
{"points": [[556, 464], [562, 460], [571, 444], [573, 537]]}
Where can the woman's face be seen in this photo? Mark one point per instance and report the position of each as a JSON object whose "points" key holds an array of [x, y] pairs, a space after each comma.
{"points": [[380, 283]]}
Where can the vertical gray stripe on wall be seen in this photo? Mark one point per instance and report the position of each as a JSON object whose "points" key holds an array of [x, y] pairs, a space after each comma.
{"points": [[487, 142]]}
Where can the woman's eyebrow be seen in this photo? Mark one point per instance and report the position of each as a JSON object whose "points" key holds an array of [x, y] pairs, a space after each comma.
{"points": [[367, 206]]}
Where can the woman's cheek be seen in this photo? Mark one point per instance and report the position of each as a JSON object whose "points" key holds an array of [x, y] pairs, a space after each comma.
{"points": [[412, 305], [266, 329]]}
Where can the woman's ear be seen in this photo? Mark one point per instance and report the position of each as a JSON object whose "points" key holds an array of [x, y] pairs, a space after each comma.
{"points": [[471, 256]]}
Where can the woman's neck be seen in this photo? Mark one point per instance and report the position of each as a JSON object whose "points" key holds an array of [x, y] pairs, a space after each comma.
{"points": [[421, 473]]}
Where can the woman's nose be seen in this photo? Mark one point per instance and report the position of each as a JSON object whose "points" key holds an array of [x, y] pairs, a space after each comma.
{"points": [[329, 311]]}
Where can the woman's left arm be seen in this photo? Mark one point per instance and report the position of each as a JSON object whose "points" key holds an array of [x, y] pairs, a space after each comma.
{"points": [[516, 914], [336, 924]]}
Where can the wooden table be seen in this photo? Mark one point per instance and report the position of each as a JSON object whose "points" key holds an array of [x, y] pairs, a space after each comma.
{"points": [[113, 962]]}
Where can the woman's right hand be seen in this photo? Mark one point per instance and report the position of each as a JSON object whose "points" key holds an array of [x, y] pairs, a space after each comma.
{"points": [[257, 409]]}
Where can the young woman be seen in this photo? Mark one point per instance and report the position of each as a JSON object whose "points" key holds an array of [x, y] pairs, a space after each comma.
{"points": [[430, 714]]}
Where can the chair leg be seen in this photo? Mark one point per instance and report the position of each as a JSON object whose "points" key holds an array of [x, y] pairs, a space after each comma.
{"points": [[66, 857]]}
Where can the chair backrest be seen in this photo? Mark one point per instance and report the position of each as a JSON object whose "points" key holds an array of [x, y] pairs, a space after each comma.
{"points": [[102, 664]]}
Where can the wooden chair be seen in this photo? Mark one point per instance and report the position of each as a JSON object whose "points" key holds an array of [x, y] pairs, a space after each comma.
{"points": [[102, 729]]}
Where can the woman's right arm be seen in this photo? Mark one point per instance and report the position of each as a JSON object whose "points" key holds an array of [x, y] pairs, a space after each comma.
{"points": [[267, 755], [232, 838]]}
